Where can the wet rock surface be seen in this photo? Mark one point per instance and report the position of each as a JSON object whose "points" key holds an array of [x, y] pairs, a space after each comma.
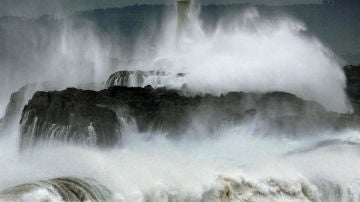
{"points": [[21, 97], [352, 73], [71, 115], [17, 101], [95, 117]]}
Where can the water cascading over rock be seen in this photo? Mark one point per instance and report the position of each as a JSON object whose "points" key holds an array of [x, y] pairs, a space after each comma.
{"points": [[144, 78], [95, 118], [70, 116], [20, 97]]}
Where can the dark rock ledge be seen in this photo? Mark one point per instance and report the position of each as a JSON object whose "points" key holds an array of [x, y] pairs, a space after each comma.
{"points": [[352, 73], [91, 117]]}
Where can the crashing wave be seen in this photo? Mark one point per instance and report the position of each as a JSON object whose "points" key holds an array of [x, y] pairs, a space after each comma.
{"points": [[224, 189], [59, 189]]}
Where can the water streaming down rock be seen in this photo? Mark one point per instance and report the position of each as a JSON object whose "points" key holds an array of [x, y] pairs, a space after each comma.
{"points": [[155, 79], [78, 116], [64, 126], [19, 99], [70, 116]]}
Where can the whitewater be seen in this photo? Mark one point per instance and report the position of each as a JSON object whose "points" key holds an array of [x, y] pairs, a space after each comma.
{"points": [[239, 162]]}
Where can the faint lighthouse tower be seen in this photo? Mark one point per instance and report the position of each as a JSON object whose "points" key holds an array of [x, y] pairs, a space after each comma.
{"points": [[183, 15]]}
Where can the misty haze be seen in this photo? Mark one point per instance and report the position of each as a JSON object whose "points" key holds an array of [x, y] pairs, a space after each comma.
{"points": [[180, 100]]}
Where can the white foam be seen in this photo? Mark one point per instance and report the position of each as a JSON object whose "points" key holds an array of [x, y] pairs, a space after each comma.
{"points": [[254, 53]]}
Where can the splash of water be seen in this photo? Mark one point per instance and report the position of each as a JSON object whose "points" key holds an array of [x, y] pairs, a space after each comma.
{"points": [[68, 53], [248, 54], [229, 167], [253, 53]]}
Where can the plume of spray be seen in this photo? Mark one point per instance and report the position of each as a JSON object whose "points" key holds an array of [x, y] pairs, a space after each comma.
{"points": [[68, 53], [183, 16], [80, 55], [253, 54]]}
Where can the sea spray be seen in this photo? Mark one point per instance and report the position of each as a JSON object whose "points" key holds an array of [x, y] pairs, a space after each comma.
{"points": [[249, 53], [231, 166], [254, 54]]}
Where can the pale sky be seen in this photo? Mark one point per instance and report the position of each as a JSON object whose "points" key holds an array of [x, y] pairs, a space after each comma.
{"points": [[34, 8]]}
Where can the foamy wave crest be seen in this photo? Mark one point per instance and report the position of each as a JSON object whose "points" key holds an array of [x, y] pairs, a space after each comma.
{"points": [[236, 165]]}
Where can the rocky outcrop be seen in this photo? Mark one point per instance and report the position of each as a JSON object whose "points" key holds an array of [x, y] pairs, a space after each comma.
{"points": [[94, 117], [19, 99], [71, 115], [352, 74], [178, 81]]}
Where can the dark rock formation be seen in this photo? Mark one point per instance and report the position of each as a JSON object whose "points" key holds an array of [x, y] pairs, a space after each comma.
{"points": [[352, 74], [17, 101], [70, 115], [19, 98], [59, 189], [93, 117]]}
